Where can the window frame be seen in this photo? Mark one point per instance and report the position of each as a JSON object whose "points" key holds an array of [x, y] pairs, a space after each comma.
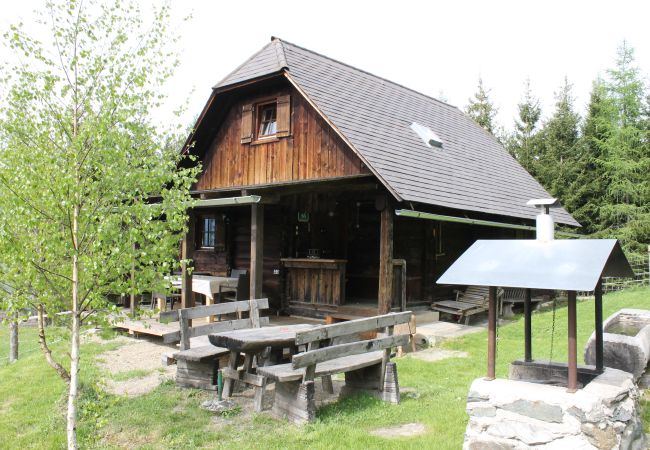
{"points": [[202, 231], [259, 110]]}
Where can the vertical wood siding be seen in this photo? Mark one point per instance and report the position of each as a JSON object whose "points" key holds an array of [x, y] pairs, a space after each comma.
{"points": [[312, 151]]}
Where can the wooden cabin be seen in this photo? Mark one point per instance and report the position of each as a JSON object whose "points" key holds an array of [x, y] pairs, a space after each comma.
{"points": [[342, 192]]}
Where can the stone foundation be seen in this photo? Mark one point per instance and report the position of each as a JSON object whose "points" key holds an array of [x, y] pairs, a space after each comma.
{"points": [[510, 414]]}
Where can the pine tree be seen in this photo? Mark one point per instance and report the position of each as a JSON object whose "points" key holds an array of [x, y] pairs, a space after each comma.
{"points": [[481, 109], [626, 156], [589, 186], [558, 147], [523, 144]]}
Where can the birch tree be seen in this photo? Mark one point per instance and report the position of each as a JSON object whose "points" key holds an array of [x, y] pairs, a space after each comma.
{"points": [[88, 189]]}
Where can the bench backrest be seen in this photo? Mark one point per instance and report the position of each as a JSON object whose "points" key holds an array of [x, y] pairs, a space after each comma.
{"points": [[185, 315], [235, 273], [518, 294], [323, 335]]}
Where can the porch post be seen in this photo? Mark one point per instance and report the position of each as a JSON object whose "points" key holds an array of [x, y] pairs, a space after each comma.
{"points": [[187, 253], [572, 384], [598, 305], [492, 333], [385, 291], [528, 351], [257, 250]]}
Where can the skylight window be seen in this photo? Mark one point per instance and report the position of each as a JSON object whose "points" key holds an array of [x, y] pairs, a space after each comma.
{"points": [[427, 135]]}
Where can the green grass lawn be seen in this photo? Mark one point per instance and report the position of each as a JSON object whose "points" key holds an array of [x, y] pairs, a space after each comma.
{"points": [[32, 398]]}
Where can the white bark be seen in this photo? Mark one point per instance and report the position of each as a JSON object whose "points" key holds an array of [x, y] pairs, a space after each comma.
{"points": [[13, 340], [74, 350]]}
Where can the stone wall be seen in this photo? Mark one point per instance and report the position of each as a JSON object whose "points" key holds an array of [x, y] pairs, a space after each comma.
{"points": [[509, 414]]}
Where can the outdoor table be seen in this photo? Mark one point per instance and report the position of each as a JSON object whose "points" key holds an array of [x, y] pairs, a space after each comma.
{"points": [[254, 342], [208, 286]]}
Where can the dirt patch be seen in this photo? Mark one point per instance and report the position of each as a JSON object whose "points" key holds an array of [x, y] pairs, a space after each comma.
{"points": [[140, 355], [437, 354], [406, 430]]}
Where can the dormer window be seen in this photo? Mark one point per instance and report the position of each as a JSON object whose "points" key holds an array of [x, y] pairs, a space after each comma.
{"points": [[267, 118]]}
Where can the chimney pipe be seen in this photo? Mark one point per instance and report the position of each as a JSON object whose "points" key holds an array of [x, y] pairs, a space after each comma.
{"points": [[545, 226]]}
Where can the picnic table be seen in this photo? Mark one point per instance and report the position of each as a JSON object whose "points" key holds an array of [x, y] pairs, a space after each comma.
{"points": [[263, 344], [208, 285]]}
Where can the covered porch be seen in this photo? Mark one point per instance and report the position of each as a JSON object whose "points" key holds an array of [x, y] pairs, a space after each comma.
{"points": [[328, 248]]}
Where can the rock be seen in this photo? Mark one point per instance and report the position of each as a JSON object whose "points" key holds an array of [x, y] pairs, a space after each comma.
{"points": [[482, 411], [406, 430], [474, 396], [521, 431], [536, 410], [600, 438], [492, 444]]}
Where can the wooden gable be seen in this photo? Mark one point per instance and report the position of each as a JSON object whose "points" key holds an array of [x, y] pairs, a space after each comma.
{"points": [[306, 148]]}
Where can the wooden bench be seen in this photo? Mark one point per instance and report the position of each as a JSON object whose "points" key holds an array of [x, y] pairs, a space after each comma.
{"points": [[513, 296], [333, 349], [473, 300], [197, 367]]}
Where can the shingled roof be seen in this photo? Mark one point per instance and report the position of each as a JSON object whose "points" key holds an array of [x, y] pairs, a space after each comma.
{"points": [[472, 171]]}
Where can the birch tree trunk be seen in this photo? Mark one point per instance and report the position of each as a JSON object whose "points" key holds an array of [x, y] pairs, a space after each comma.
{"points": [[13, 339], [74, 348]]}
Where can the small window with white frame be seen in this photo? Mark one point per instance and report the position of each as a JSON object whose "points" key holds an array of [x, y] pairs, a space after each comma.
{"points": [[268, 122]]}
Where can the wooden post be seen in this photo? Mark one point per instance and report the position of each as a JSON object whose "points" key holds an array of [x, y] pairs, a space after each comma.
{"points": [[572, 383], [492, 333], [527, 327], [385, 290], [598, 305], [187, 253], [257, 250]]}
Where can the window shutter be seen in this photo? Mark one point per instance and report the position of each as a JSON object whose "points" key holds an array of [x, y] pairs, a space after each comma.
{"points": [[284, 116], [247, 124]]}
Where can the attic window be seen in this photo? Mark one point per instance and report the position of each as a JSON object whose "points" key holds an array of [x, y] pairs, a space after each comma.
{"points": [[267, 117], [428, 136]]}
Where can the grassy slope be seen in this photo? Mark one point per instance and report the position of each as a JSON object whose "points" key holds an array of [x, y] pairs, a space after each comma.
{"points": [[32, 399]]}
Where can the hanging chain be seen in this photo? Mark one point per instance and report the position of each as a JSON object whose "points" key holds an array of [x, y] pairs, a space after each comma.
{"points": [[550, 358]]}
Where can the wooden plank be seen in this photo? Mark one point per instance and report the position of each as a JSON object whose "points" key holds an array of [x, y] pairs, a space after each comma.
{"points": [[258, 338], [386, 259], [242, 375], [352, 327], [352, 348], [223, 308], [285, 372], [225, 325], [200, 354]]}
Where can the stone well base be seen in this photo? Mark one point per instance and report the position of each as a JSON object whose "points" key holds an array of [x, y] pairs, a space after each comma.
{"points": [[509, 414]]}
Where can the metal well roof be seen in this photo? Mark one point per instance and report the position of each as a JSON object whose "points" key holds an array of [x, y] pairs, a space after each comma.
{"points": [[565, 264], [471, 172]]}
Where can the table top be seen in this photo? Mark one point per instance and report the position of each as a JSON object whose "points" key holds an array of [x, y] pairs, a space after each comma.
{"points": [[252, 339]]}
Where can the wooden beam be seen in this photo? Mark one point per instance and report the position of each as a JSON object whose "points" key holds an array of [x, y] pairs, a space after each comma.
{"points": [[528, 352], [187, 253], [572, 383], [598, 305], [385, 291], [257, 250], [492, 333]]}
